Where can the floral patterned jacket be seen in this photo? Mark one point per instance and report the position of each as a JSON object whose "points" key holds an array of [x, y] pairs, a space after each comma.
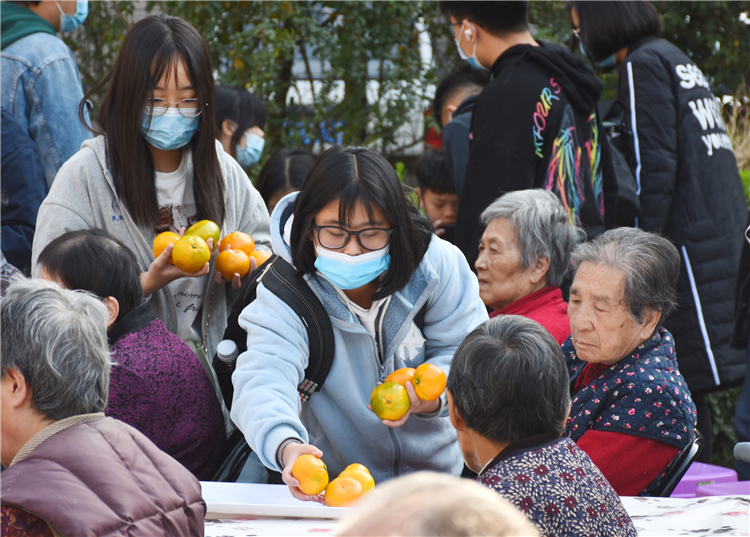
{"points": [[643, 394], [558, 487]]}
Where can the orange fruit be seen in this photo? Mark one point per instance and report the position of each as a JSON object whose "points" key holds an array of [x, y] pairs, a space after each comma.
{"points": [[230, 261], [238, 241], [190, 253], [429, 382], [312, 474], [261, 256], [205, 229], [364, 478], [401, 376], [357, 466], [162, 240], [390, 401], [343, 491]]}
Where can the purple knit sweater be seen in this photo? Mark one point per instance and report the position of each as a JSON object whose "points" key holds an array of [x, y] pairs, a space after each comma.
{"points": [[159, 387]]}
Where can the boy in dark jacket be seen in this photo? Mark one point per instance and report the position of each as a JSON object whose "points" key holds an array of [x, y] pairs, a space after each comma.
{"points": [[534, 126]]}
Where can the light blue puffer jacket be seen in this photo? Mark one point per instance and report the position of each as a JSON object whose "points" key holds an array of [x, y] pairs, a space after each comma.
{"points": [[267, 407]]}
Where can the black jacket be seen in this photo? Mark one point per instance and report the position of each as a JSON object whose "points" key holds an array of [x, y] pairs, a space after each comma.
{"points": [[534, 126], [690, 191]]}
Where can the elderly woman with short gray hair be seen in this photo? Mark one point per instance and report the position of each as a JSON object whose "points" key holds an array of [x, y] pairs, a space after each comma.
{"points": [[71, 470], [524, 255], [631, 409]]}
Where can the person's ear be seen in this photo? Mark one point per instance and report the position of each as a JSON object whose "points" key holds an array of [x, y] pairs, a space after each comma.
{"points": [[228, 128], [469, 30], [451, 109], [540, 269], [113, 307], [17, 388], [651, 319], [456, 420]]}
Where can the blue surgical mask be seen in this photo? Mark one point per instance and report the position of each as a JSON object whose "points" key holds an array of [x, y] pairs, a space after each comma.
{"points": [[606, 63], [351, 271], [252, 151], [170, 131], [68, 23], [473, 61]]}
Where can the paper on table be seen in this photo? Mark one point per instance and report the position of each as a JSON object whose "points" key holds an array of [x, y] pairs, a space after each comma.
{"points": [[233, 500]]}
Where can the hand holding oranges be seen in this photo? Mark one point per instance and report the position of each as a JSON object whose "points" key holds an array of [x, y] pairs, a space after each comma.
{"points": [[408, 391]]}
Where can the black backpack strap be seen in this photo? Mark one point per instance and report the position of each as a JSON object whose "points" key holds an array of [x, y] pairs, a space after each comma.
{"points": [[283, 281], [419, 317]]}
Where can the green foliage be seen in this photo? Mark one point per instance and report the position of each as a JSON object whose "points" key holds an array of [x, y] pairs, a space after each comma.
{"points": [[712, 35], [254, 45], [745, 175], [722, 405]]}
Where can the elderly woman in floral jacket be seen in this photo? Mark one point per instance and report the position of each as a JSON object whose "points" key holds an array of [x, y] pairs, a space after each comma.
{"points": [[631, 409]]}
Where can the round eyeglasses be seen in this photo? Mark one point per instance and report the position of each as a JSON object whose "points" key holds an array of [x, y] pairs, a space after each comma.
{"points": [[335, 238], [186, 107]]}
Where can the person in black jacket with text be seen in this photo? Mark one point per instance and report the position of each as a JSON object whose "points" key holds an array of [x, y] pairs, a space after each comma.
{"points": [[689, 187], [535, 124]]}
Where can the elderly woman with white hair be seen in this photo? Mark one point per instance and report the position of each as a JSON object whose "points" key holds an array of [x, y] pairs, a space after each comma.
{"points": [[524, 255], [71, 470], [631, 409]]}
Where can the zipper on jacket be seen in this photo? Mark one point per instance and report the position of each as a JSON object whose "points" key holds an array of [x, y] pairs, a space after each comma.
{"points": [[379, 335]]}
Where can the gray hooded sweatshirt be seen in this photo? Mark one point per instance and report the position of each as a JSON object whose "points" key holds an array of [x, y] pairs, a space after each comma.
{"points": [[83, 197]]}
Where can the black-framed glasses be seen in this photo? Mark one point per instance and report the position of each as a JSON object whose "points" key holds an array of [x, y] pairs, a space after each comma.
{"points": [[186, 107], [335, 238], [451, 26]]}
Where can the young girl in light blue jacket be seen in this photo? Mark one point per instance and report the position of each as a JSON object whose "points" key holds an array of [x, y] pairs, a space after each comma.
{"points": [[374, 263]]}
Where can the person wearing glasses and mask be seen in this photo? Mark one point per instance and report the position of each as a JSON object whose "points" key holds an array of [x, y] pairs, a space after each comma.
{"points": [[534, 125], [41, 86], [240, 118], [375, 264], [156, 166]]}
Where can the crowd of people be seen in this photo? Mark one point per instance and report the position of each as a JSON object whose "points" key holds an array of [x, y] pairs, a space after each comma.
{"points": [[578, 343]]}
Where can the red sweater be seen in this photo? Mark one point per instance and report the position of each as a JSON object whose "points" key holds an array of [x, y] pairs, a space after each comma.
{"points": [[546, 307], [630, 463]]}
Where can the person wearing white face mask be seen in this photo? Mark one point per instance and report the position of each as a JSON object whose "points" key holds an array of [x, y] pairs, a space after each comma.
{"points": [[156, 166], [533, 126], [376, 266], [240, 117], [41, 86]]}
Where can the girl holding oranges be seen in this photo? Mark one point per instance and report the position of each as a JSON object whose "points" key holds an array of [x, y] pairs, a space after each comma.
{"points": [[156, 166], [375, 264]]}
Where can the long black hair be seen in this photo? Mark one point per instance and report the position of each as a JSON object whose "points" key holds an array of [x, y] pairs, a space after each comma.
{"points": [[244, 108], [353, 175], [152, 47], [607, 27], [93, 260]]}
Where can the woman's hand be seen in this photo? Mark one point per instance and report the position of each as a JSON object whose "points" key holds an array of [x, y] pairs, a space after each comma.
{"points": [[291, 452], [161, 273], [237, 281], [418, 406]]}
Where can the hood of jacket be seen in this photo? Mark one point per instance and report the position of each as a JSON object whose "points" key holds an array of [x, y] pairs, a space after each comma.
{"points": [[581, 85]]}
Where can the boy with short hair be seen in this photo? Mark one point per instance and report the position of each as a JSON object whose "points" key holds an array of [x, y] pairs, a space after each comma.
{"points": [[437, 194]]}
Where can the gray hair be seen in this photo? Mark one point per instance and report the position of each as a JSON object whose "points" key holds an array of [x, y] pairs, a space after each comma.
{"points": [[542, 229], [509, 380], [57, 339], [433, 505], [650, 262]]}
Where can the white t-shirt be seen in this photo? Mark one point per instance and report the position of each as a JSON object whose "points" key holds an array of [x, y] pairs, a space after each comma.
{"points": [[174, 191]]}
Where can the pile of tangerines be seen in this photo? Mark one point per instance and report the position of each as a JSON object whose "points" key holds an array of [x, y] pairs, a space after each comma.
{"points": [[348, 487], [190, 252]]}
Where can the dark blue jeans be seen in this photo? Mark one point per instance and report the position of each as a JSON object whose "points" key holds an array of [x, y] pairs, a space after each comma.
{"points": [[742, 420]]}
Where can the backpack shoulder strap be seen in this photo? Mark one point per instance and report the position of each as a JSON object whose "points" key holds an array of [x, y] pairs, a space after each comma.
{"points": [[283, 281]]}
